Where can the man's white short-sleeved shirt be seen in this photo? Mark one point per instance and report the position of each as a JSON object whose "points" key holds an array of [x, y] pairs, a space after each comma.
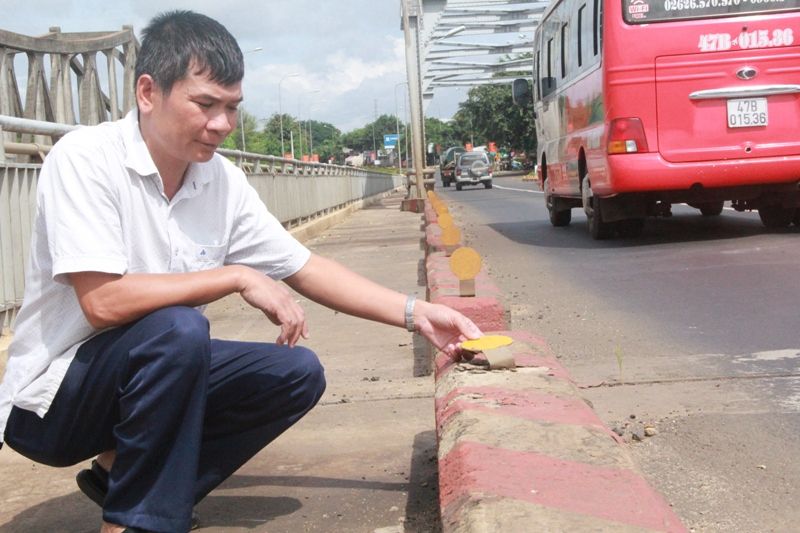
{"points": [[101, 207]]}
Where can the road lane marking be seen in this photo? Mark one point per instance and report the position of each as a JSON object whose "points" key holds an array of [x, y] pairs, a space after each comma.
{"points": [[518, 190], [726, 208]]}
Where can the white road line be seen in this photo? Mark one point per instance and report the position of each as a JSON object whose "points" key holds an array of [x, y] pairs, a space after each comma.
{"points": [[726, 208], [513, 189]]}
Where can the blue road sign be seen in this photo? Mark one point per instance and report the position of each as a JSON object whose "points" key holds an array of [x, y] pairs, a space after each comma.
{"points": [[390, 141]]}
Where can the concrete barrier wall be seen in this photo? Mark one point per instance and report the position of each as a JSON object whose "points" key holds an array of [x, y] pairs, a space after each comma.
{"points": [[295, 199], [519, 449], [17, 205]]}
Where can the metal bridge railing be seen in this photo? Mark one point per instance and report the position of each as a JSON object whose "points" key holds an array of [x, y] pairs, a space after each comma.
{"points": [[294, 191]]}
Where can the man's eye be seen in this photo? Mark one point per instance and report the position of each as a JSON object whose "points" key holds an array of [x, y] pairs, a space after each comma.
{"points": [[204, 105]]}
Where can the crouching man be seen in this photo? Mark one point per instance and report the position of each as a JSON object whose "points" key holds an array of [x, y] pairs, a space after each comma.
{"points": [[139, 225]]}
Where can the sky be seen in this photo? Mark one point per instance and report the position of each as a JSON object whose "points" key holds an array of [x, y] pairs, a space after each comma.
{"points": [[348, 55]]}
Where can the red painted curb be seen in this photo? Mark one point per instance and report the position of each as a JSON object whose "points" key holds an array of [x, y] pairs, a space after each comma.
{"points": [[486, 312], [527, 405], [474, 470], [431, 217], [433, 239], [528, 350]]}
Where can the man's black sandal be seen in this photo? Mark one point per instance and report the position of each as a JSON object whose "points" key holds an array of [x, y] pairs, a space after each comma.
{"points": [[93, 482]]}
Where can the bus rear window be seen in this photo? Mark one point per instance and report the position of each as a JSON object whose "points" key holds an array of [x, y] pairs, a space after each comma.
{"points": [[646, 11]]}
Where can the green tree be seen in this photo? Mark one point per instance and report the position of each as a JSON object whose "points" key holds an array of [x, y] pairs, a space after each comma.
{"points": [[489, 115], [371, 135]]}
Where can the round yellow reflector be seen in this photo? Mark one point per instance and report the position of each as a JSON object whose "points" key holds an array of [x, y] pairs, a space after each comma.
{"points": [[445, 220], [487, 342], [451, 236], [465, 263]]}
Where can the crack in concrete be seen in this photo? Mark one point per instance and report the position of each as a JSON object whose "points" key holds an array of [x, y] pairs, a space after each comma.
{"points": [[344, 401]]}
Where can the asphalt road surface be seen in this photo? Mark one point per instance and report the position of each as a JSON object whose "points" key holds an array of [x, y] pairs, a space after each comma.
{"points": [[692, 329]]}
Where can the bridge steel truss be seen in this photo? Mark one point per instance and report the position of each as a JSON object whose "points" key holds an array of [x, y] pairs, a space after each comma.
{"points": [[457, 51], [435, 59], [94, 70]]}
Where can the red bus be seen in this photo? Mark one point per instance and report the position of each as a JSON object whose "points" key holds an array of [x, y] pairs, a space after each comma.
{"points": [[641, 104]]}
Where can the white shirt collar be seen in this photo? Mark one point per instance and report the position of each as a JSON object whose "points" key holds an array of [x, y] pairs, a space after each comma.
{"points": [[139, 160]]}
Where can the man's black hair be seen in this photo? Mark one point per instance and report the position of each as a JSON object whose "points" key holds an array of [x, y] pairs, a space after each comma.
{"points": [[174, 40]]}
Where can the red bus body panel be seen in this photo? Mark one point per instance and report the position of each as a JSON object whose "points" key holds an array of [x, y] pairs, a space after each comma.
{"points": [[650, 72]]}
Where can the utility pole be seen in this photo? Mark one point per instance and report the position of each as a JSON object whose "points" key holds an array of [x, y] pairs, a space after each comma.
{"points": [[412, 12], [397, 125], [374, 120]]}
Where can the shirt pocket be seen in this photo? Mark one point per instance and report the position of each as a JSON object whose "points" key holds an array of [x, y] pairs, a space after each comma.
{"points": [[203, 256]]}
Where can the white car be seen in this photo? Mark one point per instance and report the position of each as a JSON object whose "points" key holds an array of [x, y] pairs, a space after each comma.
{"points": [[473, 168]]}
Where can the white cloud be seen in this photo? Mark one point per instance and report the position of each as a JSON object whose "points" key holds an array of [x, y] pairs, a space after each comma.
{"points": [[351, 51]]}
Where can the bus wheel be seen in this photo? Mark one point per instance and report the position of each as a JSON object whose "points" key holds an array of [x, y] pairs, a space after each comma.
{"points": [[711, 209], [598, 229], [796, 219], [459, 186], [776, 216], [557, 218], [560, 219], [630, 228]]}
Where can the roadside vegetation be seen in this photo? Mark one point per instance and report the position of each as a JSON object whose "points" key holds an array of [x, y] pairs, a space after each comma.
{"points": [[488, 115]]}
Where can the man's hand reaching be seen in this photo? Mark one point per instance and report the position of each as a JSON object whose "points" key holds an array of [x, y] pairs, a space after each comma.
{"points": [[444, 327], [277, 302]]}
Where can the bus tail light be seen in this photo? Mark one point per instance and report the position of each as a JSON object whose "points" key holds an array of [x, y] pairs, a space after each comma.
{"points": [[626, 136]]}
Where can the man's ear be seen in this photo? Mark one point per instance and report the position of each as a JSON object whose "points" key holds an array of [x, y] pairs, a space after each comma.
{"points": [[146, 90]]}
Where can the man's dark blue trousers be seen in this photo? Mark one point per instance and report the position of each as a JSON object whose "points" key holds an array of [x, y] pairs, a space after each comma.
{"points": [[181, 410]]}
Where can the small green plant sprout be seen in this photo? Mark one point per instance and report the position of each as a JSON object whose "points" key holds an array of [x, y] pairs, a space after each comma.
{"points": [[619, 356]]}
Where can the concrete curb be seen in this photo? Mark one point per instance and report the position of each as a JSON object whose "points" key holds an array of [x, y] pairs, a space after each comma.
{"points": [[485, 308], [520, 450]]}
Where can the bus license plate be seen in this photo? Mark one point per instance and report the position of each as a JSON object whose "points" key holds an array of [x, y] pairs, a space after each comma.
{"points": [[747, 112]]}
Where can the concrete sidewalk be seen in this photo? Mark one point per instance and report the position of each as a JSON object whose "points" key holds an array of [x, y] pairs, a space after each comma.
{"points": [[363, 461]]}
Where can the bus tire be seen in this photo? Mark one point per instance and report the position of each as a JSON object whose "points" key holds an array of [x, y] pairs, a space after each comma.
{"points": [[558, 218], [598, 229], [776, 216], [459, 186], [711, 209]]}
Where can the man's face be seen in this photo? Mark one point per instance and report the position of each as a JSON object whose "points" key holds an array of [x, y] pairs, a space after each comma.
{"points": [[190, 122]]}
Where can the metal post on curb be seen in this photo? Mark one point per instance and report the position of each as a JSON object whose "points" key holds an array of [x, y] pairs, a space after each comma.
{"points": [[411, 14]]}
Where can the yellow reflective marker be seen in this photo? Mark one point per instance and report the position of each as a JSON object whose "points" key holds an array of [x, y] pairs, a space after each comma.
{"points": [[451, 236], [465, 263], [487, 342], [445, 220]]}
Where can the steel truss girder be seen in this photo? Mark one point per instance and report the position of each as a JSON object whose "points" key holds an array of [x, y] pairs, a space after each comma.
{"points": [[439, 54]]}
